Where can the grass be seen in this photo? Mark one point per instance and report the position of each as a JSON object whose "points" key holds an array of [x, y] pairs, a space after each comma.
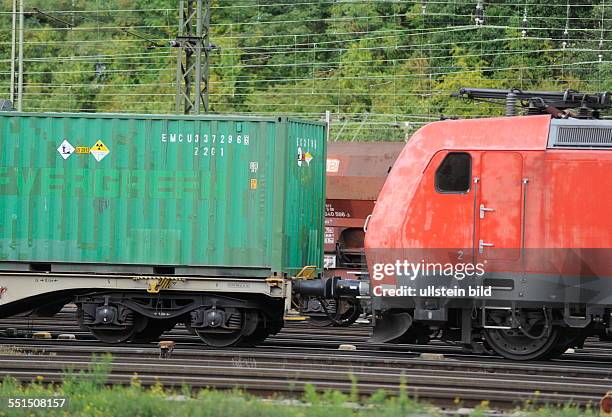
{"points": [[89, 396]]}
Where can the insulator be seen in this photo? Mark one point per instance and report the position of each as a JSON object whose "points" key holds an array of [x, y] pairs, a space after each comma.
{"points": [[99, 68], [511, 101], [479, 19]]}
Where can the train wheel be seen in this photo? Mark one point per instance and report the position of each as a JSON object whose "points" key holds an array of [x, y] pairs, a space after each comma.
{"points": [[244, 323], [536, 338], [220, 339], [569, 338], [256, 338], [118, 334], [153, 330]]}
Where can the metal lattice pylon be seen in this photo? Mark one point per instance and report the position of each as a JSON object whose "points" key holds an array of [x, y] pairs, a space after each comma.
{"points": [[192, 66]]}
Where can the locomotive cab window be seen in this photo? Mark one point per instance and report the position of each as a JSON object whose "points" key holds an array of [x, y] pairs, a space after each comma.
{"points": [[454, 173]]}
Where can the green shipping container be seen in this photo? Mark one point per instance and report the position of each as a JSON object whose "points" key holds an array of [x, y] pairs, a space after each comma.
{"points": [[222, 195]]}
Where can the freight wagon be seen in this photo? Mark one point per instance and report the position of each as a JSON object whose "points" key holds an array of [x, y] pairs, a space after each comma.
{"points": [[356, 171], [144, 221], [496, 233]]}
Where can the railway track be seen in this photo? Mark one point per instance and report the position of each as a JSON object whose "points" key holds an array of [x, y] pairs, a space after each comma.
{"points": [[299, 335], [302, 355]]}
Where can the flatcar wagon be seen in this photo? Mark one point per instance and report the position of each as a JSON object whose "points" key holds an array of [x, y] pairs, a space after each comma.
{"points": [[144, 221]]}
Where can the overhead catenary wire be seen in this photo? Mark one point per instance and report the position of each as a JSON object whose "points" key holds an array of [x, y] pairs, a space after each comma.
{"points": [[242, 4], [248, 59], [145, 59], [366, 77]]}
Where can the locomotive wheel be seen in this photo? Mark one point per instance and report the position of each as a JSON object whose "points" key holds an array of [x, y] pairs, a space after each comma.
{"points": [[119, 334], [514, 344], [569, 338], [153, 330]]}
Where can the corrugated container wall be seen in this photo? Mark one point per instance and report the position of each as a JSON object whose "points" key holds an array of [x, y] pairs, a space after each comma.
{"points": [[162, 190]]}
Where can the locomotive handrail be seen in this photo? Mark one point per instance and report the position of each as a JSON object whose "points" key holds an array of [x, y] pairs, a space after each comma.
{"points": [[365, 224]]}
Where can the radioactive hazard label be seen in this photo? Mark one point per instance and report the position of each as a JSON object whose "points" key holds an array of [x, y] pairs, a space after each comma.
{"points": [[99, 151]]}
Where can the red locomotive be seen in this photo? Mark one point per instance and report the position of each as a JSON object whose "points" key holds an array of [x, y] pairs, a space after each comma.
{"points": [[497, 233]]}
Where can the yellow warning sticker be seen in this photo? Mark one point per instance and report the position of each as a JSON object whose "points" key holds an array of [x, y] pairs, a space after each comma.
{"points": [[99, 150], [82, 149], [253, 183], [308, 157]]}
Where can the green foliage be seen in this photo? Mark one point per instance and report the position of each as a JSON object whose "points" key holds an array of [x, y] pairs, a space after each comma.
{"points": [[382, 67]]}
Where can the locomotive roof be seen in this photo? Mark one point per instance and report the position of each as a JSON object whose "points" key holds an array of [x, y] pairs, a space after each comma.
{"points": [[515, 133], [496, 133]]}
